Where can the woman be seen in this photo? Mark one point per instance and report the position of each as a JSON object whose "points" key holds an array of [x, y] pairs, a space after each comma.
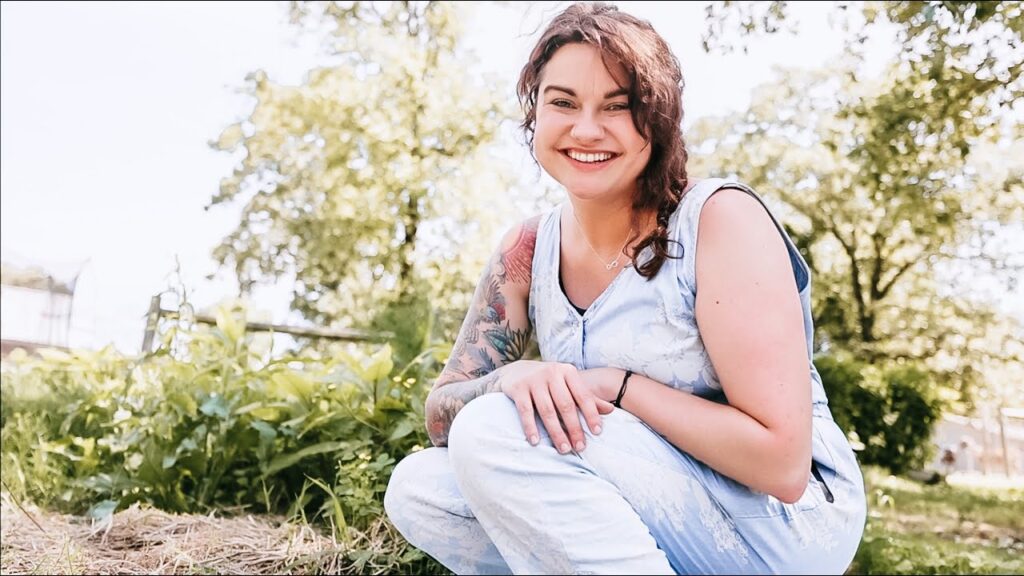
{"points": [[666, 429]]}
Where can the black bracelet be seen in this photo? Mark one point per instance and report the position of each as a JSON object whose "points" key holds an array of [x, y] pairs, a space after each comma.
{"points": [[622, 390]]}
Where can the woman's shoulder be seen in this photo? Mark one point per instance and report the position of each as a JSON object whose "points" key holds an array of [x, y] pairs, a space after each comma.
{"points": [[698, 189], [517, 247], [728, 191]]}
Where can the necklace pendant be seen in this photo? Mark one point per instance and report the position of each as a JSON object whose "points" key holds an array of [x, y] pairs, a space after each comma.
{"points": [[612, 265]]}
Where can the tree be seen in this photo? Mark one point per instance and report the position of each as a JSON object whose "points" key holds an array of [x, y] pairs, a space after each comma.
{"points": [[888, 184], [368, 182], [880, 197], [969, 41]]}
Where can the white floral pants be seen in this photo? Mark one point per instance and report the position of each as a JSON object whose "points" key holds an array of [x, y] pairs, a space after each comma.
{"points": [[630, 503]]}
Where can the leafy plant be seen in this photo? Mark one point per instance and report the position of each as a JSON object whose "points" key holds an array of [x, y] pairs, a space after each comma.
{"points": [[211, 421], [888, 413]]}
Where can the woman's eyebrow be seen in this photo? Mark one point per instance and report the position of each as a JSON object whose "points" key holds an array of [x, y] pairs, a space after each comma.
{"points": [[568, 91], [571, 92]]}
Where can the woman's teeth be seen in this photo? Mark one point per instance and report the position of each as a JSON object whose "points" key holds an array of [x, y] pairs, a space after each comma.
{"points": [[589, 158]]}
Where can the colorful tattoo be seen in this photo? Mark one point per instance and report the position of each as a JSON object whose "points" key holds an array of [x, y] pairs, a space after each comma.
{"points": [[474, 366], [451, 398], [517, 261]]}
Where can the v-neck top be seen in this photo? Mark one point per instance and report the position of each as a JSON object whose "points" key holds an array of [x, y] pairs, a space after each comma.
{"points": [[561, 285], [647, 326]]}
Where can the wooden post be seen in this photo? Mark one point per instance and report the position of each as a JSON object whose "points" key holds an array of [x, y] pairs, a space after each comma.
{"points": [[311, 332], [152, 321], [156, 312]]}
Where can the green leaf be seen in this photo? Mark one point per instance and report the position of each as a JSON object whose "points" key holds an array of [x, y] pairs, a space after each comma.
{"points": [[403, 429], [227, 324], [339, 514], [103, 509], [286, 461], [215, 405], [380, 365], [290, 383], [270, 412], [267, 432], [183, 402], [230, 138]]}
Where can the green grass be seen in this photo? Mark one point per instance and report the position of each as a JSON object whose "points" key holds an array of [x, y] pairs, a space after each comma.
{"points": [[914, 528]]}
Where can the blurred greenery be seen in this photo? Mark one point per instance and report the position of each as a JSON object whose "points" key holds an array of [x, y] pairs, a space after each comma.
{"points": [[940, 529], [214, 420], [888, 413], [901, 191], [370, 182]]}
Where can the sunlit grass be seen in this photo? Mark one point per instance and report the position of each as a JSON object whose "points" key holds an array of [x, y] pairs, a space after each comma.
{"points": [[964, 527]]}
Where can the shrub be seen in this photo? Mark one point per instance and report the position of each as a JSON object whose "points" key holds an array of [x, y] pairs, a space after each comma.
{"points": [[887, 412], [210, 421]]}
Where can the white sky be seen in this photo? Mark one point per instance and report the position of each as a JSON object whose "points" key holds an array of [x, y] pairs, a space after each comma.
{"points": [[107, 110]]}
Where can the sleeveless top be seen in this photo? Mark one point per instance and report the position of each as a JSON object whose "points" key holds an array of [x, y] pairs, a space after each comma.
{"points": [[649, 327]]}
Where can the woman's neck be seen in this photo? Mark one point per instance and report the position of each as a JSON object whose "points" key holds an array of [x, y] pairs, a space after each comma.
{"points": [[605, 226]]}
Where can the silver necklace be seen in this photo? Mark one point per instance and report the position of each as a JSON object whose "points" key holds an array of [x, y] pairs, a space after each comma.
{"points": [[607, 265]]}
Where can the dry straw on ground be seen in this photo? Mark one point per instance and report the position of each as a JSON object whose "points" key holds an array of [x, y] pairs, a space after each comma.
{"points": [[146, 541]]}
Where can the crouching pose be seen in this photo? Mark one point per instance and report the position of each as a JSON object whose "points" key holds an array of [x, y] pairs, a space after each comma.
{"points": [[675, 422]]}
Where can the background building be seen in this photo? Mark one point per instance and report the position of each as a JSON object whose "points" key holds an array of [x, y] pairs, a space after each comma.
{"points": [[35, 307]]}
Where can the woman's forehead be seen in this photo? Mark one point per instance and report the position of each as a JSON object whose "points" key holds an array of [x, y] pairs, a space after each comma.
{"points": [[583, 68]]}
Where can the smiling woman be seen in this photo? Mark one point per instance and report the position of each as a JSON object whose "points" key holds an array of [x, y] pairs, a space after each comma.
{"points": [[665, 429], [585, 136]]}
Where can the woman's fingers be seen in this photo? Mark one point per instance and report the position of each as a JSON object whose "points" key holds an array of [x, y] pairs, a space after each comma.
{"points": [[549, 416], [588, 403], [566, 406], [524, 405], [557, 394]]}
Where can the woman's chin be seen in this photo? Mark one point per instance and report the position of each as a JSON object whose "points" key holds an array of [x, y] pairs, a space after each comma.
{"points": [[591, 192]]}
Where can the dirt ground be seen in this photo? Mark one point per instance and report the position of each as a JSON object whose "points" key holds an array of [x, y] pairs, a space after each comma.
{"points": [[146, 541]]}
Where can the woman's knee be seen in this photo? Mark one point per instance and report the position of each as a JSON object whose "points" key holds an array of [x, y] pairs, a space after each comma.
{"points": [[407, 479], [486, 433], [486, 423]]}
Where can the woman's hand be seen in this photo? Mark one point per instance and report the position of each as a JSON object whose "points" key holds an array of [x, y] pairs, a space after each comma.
{"points": [[604, 382], [555, 392]]}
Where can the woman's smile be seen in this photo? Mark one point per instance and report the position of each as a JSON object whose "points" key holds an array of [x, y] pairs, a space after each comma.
{"points": [[589, 161]]}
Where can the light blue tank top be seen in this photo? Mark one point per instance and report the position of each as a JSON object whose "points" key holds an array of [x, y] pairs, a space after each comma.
{"points": [[649, 327]]}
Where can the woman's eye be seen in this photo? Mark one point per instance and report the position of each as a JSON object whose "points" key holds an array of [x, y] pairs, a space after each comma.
{"points": [[561, 103], [619, 106]]}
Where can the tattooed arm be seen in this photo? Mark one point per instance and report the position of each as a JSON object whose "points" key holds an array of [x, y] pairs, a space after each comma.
{"points": [[494, 334]]}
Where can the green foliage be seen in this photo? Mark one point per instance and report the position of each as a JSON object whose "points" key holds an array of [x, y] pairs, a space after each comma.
{"points": [[210, 421], [729, 21], [957, 44], [368, 182], [904, 191], [891, 210], [885, 553], [888, 414], [911, 411], [942, 529]]}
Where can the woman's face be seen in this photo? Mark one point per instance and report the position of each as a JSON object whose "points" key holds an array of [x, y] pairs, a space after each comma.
{"points": [[584, 136]]}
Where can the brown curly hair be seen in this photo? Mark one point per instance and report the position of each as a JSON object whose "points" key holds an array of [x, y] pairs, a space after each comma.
{"points": [[655, 84]]}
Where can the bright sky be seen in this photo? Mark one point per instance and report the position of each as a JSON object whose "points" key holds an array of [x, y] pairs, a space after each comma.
{"points": [[108, 108]]}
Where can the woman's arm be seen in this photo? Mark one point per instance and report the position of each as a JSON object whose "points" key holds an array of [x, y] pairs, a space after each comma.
{"points": [[494, 333], [751, 323], [488, 358]]}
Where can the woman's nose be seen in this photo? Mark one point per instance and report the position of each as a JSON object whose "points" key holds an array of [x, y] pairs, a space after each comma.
{"points": [[587, 128]]}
